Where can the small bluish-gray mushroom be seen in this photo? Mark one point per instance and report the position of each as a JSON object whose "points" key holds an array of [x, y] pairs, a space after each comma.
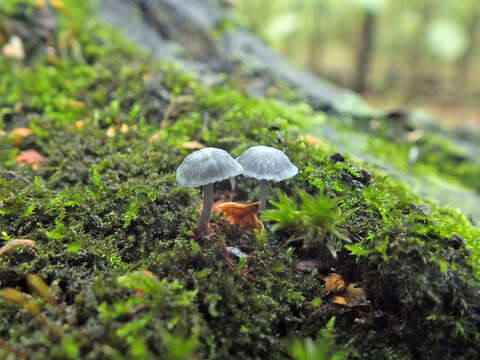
{"points": [[204, 168], [266, 163]]}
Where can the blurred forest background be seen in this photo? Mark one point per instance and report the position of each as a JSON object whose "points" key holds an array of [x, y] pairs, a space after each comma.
{"points": [[398, 54]]}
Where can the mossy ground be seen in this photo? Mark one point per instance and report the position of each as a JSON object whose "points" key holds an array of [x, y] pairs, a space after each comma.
{"points": [[105, 205]]}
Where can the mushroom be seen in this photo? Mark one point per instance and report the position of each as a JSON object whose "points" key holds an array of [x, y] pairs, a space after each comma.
{"points": [[266, 163], [203, 168]]}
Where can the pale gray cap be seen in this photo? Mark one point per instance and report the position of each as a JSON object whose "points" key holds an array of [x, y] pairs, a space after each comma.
{"points": [[206, 166], [266, 163]]}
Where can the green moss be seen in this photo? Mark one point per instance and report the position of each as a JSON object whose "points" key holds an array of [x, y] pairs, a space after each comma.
{"points": [[105, 205], [436, 156]]}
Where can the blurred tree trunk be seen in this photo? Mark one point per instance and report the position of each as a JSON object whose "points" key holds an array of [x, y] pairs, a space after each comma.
{"points": [[414, 62], [315, 50], [365, 50], [260, 13], [314, 13], [465, 62]]}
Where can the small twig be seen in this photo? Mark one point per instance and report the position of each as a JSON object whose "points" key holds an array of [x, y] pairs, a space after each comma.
{"points": [[14, 244]]}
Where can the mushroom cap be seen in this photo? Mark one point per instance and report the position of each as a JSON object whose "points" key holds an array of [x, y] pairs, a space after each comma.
{"points": [[207, 166], [266, 163]]}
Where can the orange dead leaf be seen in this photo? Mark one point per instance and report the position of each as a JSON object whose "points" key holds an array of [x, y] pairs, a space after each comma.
{"points": [[14, 244], [244, 215], [340, 300], [76, 104], [79, 124], [31, 158], [57, 4], [312, 140], [215, 207], [348, 295], [148, 274], [192, 145], [348, 302], [20, 133], [334, 283], [40, 3]]}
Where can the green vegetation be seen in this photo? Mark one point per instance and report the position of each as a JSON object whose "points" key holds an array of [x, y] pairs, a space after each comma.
{"points": [[104, 207]]}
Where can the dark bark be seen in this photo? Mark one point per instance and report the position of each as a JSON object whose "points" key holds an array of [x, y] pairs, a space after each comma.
{"points": [[365, 51], [415, 53], [465, 62]]}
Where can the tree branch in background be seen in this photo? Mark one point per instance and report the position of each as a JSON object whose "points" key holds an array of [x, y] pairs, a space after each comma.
{"points": [[365, 50], [465, 62]]}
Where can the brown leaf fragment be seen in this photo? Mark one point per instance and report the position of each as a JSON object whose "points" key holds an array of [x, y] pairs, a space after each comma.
{"points": [[244, 215], [353, 291], [31, 158], [334, 283], [308, 265], [349, 296], [79, 124], [375, 124], [344, 301], [157, 135], [19, 133], [340, 300], [76, 104], [14, 244], [414, 136], [192, 145], [18, 106], [312, 140]]}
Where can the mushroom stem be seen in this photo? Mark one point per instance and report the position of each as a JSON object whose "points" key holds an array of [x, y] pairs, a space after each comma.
{"points": [[207, 208], [263, 194]]}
